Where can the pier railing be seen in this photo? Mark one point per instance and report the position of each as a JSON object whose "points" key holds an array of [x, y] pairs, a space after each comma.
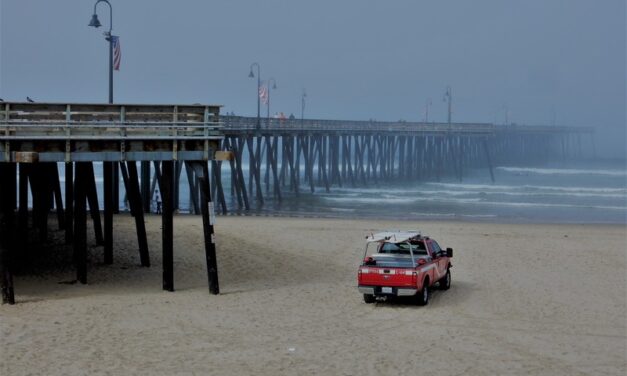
{"points": [[247, 124], [72, 132]]}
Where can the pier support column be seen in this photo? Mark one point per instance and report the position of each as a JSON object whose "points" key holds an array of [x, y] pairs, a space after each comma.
{"points": [[8, 196], [134, 196], [92, 198], [167, 224], [80, 221], [208, 220], [69, 201], [107, 174]]}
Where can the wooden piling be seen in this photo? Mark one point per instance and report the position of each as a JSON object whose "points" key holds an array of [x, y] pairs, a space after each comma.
{"points": [[80, 221], [69, 202], [8, 195], [167, 234], [92, 199], [107, 174], [136, 205], [208, 220]]}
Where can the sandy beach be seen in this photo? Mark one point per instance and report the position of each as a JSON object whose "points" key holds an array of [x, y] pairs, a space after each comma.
{"points": [[525, 299]]}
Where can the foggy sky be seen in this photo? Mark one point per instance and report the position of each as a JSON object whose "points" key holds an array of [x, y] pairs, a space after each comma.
{"points": [[357, 59]]}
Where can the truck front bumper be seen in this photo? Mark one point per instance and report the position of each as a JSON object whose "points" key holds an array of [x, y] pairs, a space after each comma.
{"points": [[386, 291]]}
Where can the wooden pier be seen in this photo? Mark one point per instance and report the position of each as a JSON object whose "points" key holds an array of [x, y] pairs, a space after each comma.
{"points": [[35, 137], [289, 155], [281, 157]]}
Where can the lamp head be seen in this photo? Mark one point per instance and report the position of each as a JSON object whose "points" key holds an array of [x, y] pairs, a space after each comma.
{"points": [[274, 85], [251, 74], [94, 21]]}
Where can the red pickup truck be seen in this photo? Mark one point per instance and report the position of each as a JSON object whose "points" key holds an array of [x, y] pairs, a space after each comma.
{"points": [[403, 263]]}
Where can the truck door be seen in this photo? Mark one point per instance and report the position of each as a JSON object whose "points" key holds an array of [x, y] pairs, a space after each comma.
{"points": [[441, 262]]}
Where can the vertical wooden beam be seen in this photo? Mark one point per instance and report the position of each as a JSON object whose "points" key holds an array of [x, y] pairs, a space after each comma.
{"points": [[271, 145], [254, 166], [80, 221], [116, 187], [217, 175], [190, 181], [136, 205], [58, 198], [208, 220], [145, 185], [127, 188], [69, 201], [240, 172], [107, 188], [167, 224], [488, 159], [178, 168], [8, 197], [92, 199]]}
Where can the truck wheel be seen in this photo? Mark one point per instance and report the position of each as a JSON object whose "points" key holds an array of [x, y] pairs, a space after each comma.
{"points": [[445, 282], [368, 298], [422, 297]]}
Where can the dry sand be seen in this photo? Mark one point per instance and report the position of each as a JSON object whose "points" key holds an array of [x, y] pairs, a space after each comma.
{"points": [[525, 299]]}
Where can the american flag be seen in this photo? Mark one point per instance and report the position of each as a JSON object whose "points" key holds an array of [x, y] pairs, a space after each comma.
{"points": [[263, 94], [117, 54]]}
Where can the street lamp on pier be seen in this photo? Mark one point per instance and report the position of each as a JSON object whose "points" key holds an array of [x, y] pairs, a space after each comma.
{"points": [[268, 98], [448, 96], [96, 23], [302, 108], [252, 75], [109, 169]]}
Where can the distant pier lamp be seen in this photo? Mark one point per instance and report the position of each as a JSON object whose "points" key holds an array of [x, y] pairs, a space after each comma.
{"points": [[268, 97], [252, 75]]}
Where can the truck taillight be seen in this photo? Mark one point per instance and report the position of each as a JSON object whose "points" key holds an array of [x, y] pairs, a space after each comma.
{"points": [[414, 277]]}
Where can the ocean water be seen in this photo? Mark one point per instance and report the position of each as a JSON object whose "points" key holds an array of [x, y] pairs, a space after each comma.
{"points": [[594, 192], [590, 193]]}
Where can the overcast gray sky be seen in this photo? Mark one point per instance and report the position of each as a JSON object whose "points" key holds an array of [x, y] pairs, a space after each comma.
{"points": [[357, 59]]}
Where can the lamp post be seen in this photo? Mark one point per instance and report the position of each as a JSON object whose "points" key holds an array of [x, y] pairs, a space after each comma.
{"points": [[449, 96], [427, 105], [96, 23], [252, 75], [302, 108], [110, 174], [268, 103]]}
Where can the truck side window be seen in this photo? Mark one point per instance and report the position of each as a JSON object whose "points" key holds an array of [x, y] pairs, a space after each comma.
{"points": [[435, 247]]}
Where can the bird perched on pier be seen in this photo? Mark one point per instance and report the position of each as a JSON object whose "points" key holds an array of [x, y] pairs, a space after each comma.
{"points": [[29, 100]]}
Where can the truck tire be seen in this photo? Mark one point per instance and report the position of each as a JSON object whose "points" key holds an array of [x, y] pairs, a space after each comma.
{"points": [[422, 297], [369, 298], [445, 282]]}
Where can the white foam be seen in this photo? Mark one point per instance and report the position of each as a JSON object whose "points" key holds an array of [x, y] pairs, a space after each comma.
{"points": [[560, 171]]}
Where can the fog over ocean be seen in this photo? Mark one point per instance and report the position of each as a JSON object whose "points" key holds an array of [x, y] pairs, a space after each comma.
{"points": [[594, 192]]}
